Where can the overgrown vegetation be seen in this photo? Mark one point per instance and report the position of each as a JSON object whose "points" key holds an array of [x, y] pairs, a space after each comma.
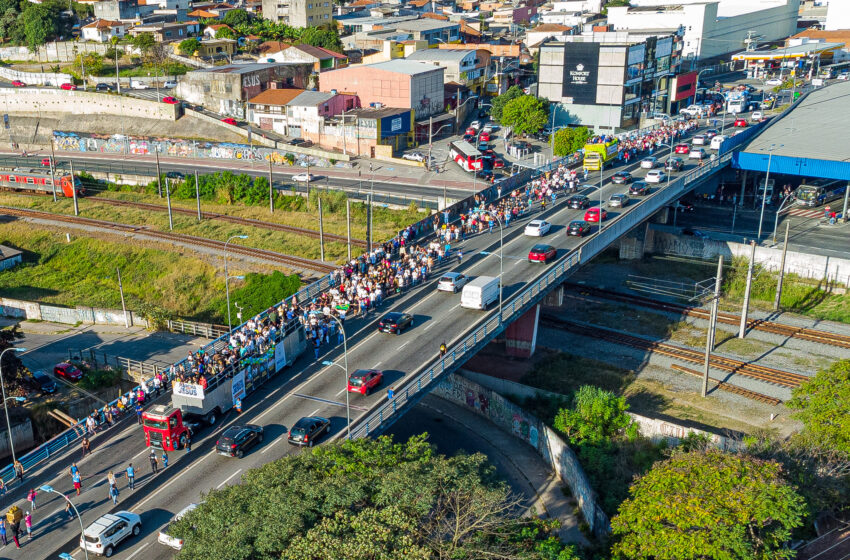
{"points": [[94, 379]]}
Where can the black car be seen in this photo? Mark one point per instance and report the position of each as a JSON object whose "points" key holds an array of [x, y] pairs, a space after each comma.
{"points": [[175, 175], [621, 178], [578, 227], [484, 174], [468, 138], [640, 188], [43, 382], [238, 438], [578, 202], [395, 322], [104, 87], [307, 430]]}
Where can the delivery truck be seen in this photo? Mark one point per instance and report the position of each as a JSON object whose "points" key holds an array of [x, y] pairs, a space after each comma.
{"points": [[480, 293], [599, 154]]}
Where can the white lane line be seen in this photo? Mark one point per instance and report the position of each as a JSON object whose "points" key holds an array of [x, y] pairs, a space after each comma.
{"points": [[342, 391], [141, 548], [376, 365], [269, 446], [314, 412], [431, 324], [517, 262], [403, 345], [225, 481], [138, 508]]}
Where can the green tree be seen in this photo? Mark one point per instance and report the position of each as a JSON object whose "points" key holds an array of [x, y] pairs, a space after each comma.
{"points": [[189, 46], [595, 417], [708, 505], [367, 499], [39, 25], [92, 62], [325, 37], [526, 114], [225, 33], [236, 17], [568, 140], [144, 42], [822, 404], [500, 101]]}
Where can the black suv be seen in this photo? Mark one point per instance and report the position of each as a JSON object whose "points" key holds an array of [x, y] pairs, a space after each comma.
{"points": [[43, 382], [578, 201], [639, 188], [578, 227], [307, 430], [238, 438]]}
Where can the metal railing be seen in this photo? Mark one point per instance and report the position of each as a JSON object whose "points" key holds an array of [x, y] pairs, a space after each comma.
{"points": [[206, 330]]}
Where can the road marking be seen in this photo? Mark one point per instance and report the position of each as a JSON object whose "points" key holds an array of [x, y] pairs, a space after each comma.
{"points": [[141, 548], [429, 326], [314, 412], [138, 508], [327, 401], [342, 391], [269, 446], [517, 262], [376, 365], [225, 481], [403, 345]]}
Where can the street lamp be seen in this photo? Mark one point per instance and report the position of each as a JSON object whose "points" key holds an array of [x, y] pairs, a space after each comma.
{"points": [[501, 258], [48, 488], [345, 369], [764, 191], [227, 278], [667, 171], [431, 136], [3, 388], [457, 112], [778, 210]]}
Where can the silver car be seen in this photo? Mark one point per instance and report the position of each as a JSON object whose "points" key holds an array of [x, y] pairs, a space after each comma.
{"points": [[451, 282], [618, 200]]}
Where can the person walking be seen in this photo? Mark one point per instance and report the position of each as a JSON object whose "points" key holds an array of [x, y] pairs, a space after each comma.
{"points": [[15, 527], [3, 531], [131, 477], [28, 525], [153, 461], [19, 471], [113, 493], [139, 412], [164, 459], [77, 480], [86, 445], [188, 440], [31, 498], [2, 489]]}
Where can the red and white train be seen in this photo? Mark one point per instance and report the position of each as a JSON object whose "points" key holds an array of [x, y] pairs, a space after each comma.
{"points": [[37, 180]]}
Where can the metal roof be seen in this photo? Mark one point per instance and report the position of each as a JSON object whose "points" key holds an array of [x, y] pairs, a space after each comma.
{"points": [[310, 99], [409, 67], [425, 24], [796, 51], [443, 55]]}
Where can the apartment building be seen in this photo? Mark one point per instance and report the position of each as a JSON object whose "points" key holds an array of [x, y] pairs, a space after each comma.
{"points": [[299, 13]]}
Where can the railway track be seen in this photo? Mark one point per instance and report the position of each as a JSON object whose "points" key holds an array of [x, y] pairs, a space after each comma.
{"points": [[801, 333], [191, 240], [723, 386], [754, 371], [232, 219]]}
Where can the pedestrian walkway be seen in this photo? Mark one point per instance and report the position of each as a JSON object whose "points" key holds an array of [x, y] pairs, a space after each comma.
{"points": [[804, 213]]}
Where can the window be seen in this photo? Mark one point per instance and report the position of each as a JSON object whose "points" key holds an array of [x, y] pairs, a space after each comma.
{"points": [[309, 18], [309, 6]]}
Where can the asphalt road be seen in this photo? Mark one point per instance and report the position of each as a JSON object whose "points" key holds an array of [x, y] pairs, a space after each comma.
{"points": [[304, 390]]}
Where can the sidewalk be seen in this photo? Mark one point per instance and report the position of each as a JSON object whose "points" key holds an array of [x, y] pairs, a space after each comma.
{"points": [[47, 328]]}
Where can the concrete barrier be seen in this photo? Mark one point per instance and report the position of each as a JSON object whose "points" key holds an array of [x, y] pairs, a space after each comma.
{"points": [[35, 78], [20, 309], [34, 100]]}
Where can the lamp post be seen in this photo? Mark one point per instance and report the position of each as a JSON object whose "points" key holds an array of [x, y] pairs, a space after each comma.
{"points": [[227, 278], [431, 136], [667, 171], [501, 258], [6, 408], [764, 191], [344, 367], [778, 210], [48, 488], [457, 112]]}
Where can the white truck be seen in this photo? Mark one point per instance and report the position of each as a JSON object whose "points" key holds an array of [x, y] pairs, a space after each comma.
{"points": [[480, 293]]}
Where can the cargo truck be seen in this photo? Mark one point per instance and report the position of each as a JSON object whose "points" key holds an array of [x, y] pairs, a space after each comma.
{"points": [[192, 405], [598, 155]]}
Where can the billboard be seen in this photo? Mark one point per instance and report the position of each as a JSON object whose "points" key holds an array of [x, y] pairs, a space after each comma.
{"points": [[684, 86], [237, 389], [581, 72], [279, 356]]}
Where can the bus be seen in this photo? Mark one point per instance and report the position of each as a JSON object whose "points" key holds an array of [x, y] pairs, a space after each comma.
{"points": [[737, 102], [816, 192], [466, 155]]}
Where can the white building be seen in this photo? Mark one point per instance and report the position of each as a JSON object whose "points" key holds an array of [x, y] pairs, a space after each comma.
{"points": [[711, 28], [587, 6], [837, 15], [101, 30]]}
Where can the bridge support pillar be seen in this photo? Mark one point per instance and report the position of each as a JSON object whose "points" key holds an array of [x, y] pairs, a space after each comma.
{"points": [[521, 335], [555, 298], [634, 244]]}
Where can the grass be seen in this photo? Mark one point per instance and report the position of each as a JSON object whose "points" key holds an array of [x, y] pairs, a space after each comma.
{"points": [[564, 373]]}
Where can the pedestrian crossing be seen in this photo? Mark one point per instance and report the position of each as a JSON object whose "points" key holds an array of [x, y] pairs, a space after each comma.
{"points": [[804, 212]]}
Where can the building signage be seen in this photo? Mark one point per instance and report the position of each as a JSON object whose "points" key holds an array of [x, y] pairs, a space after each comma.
{"points": [[684, 86], [395, 125], [238, 386], [279, 356], [581, 70], [189, 390]]}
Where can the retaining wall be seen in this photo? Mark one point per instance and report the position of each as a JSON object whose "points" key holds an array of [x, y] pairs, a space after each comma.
{"points": [[62, 51], [22, 435], [20, 309], [32, 100], [35, 78]]}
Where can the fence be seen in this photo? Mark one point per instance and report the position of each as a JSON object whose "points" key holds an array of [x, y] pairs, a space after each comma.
{"points": [[134, 370], [206, 330]]}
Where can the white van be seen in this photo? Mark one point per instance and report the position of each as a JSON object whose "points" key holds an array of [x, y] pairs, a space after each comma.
{"points": [[136, 84], [480, 293], [716, 141]]}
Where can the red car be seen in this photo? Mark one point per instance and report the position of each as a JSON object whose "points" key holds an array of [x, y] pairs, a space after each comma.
{"points": [[592, 214], [364, 380], [484, 137], [542, 253], [18, 83], [45, 161], [682, 149], [68, 86], [470, 131], [170, 100], [740, 122], [68, 371], [230, 120], [498, 163]]}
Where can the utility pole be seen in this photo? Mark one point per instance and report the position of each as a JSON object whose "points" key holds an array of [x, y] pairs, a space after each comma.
{"points": [[198, 194], [321, 229], [271, 189], [158, 175], [74, 190], [168, 202], [53, 168], [369, 222], [712, 325], [430, 136], [781, 269], [123, 304], [348, 221], [743, 328]]}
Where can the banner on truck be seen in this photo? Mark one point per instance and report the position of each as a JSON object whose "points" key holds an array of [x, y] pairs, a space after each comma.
{"points": [[279, 356], [189, 390], [238, 387]]}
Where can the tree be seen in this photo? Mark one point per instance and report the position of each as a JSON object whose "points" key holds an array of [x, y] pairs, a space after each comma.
{"points": [[144, 42], [38, 25], [822, 404], [92, 62], [500, 101], [225, 33], [526, 114], [367, 499], [236, 17], [189, 46], [708, 505], [595, 417], [568, 140], [327, 38]]}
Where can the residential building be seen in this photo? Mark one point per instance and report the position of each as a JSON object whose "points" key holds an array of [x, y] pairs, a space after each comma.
{"points": [[203, 14], [210, 31], [711, 28], [298, 13], [545, 31], [358, 23], [226, 89], [102, 30], [430, 30], [585, 6], [514, 14], [396, 83], [113, 10], [322, 59], [167, 32], [469, 68], [213, 49], [267, 110]]}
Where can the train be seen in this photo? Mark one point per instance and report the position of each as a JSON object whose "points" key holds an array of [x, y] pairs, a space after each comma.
{"points": [[40, 181]]}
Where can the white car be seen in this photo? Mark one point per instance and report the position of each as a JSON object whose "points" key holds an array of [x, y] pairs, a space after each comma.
{"points": [[476, 125], [135, 84], [168, 540], [697, 153], [415, 156], [537, 228], [655, 176], [698, 140], [757, 116], [451, 282], [303, 177], [110, 530], [843, 76], [773, 82], [648, 163], [692, 110], [170, 84]]}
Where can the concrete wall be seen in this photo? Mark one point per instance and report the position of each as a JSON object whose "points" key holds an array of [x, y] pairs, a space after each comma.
{"points": [[22, 435], [34, 100], [20, 309], [529, 429], [35, 78], [64, 51]]}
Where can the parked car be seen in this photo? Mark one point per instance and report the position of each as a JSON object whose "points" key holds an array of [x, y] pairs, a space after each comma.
{"points": [[307, 430], [231, 121], [648, 162], [363, 381], [621, 178], [740, 122], [618, 200], [137, 84], [170, 100], [46, 161], [682, 149], [104, 87], [43, 382], [303, 177], [109, 530], [68, 86], [578, 227], [175, 175], [674, 163], [537, 228], [413, 156], [655, 176], [68, 371], [542, 253], [578, 202], [165, 537], [238, 438], [395, 322], [593, 215], [18, 83], [169, 84], [451, 282], [639, 188]]}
